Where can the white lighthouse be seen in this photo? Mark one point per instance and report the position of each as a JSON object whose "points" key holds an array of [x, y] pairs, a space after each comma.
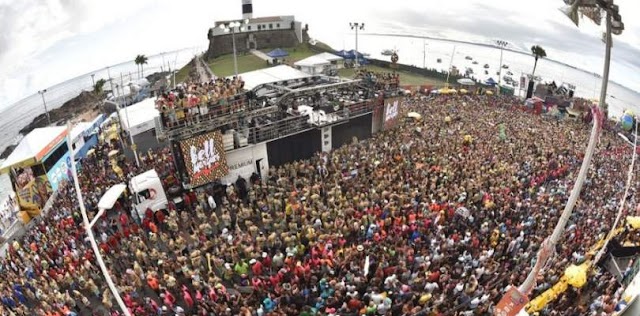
{"points": [[247, 9]]}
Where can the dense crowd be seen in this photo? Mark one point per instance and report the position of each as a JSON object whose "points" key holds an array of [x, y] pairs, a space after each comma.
{"points": [[190, 102], [434, 217], [379, 80]]}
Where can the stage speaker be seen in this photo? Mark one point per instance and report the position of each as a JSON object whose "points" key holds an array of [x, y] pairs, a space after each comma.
{"points": [[530, 89]]}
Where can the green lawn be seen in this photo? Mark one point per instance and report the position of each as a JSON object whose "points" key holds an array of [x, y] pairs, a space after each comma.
{"points": [[223, 65], [183, 73], [406, 78], [297, 53]]}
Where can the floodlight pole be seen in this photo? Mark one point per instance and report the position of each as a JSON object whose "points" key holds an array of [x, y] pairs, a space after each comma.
{"points": [[502, 45], [355, 26], [235, 54], [88, 229], [551, 242], [450, 67]]}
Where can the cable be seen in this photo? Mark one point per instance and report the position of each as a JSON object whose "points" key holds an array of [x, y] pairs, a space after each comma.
{"points": [[622, 201]]}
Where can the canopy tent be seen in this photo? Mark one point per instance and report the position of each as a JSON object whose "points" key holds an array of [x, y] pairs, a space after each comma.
{"points": [[34, 147], [466, 82], [344, 54], [328, 56], [78, 130], [141, 116], [255, 78], [312, 61], [490, 82], [353, 54], [278, 53]]}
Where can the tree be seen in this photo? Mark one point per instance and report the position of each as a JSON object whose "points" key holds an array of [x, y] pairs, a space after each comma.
{"points": [[140, 61], [538, 52], [98, 86]]}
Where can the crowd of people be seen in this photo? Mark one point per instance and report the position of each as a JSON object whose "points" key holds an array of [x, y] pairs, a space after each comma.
{"points": [[190, 102], [379, 80], [437, 216]]}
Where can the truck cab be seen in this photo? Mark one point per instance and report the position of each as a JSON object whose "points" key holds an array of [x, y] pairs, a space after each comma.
{"points": [[148, 192]]}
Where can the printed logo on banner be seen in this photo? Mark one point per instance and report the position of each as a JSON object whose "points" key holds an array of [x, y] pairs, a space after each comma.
{"points": [[204, 158], [392, 111]]}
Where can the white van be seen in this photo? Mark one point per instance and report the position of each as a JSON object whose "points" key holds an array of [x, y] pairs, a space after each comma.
{"points": [[148, 192]]}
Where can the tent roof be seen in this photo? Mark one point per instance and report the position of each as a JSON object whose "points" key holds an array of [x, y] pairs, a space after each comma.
{"points": [[329, 56], [255, 78], [34, 147], [139, 113], [312, 61], [490, 82], [277, 53], [78, 130]]}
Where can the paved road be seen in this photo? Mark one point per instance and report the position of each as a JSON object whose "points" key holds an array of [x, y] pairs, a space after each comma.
{"points": [[203, 70]]}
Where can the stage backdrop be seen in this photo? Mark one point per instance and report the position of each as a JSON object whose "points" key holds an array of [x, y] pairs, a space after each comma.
{"points": [[32, 196], [204, 159], [391, 111]]}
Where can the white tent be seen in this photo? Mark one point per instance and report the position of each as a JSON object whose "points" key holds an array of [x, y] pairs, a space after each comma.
{"points": [[34, 147], [141, 116], [316, 64], [312, 61], [77, 130], [312, 65], [255, 78], [330, 57]]}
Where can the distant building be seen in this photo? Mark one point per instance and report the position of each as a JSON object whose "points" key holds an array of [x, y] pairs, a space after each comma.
{"points": [[259, 33]]}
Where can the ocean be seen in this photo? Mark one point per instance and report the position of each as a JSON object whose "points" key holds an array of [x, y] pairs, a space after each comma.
{"points": [[20, 114], [411, 52]]}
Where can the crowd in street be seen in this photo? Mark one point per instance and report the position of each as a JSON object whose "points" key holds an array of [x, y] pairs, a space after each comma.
{"points": [[437, 216]]}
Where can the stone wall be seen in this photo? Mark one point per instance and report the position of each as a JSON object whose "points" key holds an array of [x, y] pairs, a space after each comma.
{"points": [[262, 40]]}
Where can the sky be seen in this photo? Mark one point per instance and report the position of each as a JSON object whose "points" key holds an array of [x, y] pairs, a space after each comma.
{"points": [[44, 42]]}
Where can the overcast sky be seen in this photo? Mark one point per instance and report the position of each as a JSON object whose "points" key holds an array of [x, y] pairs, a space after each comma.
{"points": [[44, 42]]}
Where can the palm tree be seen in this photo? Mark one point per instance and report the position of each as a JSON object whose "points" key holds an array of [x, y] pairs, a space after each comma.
{"points": [[137, 61], [538, 52], [98, 86], [141, 60]]}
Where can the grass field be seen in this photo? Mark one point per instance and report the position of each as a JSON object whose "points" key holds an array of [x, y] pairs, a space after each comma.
{"points": [[183, 73], [406, 78], [223, 65]]}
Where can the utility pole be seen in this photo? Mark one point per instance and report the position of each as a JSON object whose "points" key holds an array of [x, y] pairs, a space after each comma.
{"points": [[46, 111]]}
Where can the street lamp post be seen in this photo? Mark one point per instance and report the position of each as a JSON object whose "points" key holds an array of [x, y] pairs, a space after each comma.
{"points": [[357, 26], [231, 27], [502, 44], [424, 53], [46, 111], [614, 25], [88, 228]]}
